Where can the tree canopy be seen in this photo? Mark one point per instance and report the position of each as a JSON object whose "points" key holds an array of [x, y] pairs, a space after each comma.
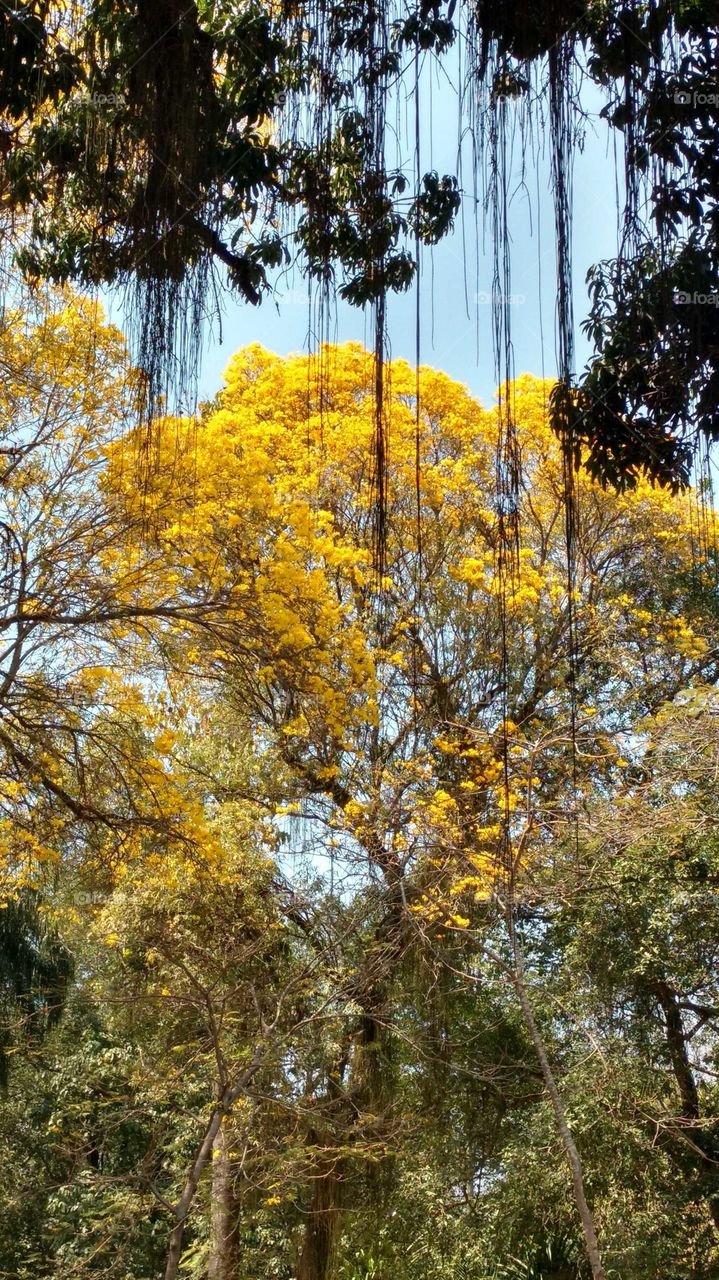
{"points": [[354, 926]]}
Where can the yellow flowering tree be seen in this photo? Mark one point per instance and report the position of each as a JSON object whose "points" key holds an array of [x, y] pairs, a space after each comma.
{"points": [[433, 729], [205, 674], [84, 705], [416, 713]]}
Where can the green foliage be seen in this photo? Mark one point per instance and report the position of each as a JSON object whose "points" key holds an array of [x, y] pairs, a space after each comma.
{"points": [[35, 970]]}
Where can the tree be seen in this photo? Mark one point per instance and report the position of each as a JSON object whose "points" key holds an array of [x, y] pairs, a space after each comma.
{"points": [[82, 720], [354, 849], [431, 742], [203, 938], [188, 990], [656, 856], [35, 970]]}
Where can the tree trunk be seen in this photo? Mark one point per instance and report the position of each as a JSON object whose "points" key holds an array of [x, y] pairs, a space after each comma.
{"points": [[182, 1209], [580, 1199], [223, 1220], [705, 1160], [322, 1222], [201, 1160]]}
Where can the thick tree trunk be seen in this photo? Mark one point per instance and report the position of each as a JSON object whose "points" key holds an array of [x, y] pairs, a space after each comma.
{"points": [[321, 1228], [223, 1221], [686, 1084]]}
